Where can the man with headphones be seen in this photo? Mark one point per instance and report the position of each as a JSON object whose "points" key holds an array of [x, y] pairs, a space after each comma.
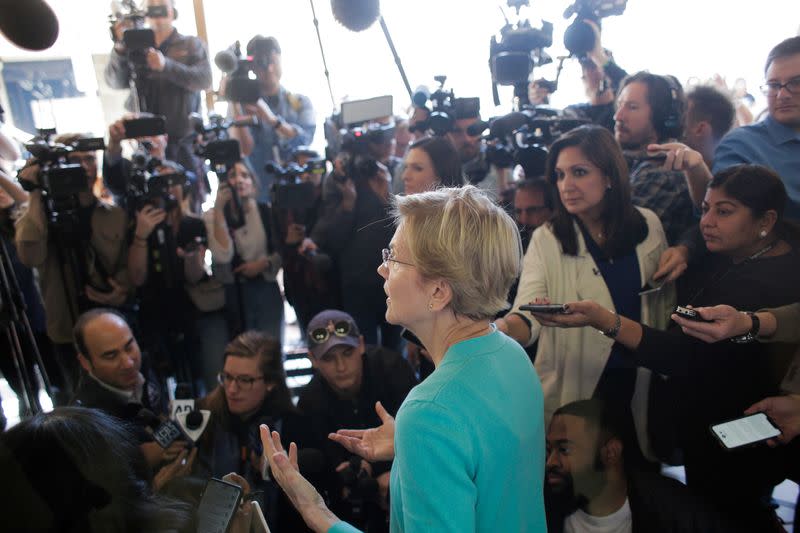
{"points": [[175, 70], [650, 110], [285, 119]]}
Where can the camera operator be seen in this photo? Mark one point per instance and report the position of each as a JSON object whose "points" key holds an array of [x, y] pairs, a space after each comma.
{"points": [[355, 228], [246, 259], [100, 230], [117, 169], [309, 278], [472, 151], [349, 379], [285, 120], [165, 262], [170, 79]]}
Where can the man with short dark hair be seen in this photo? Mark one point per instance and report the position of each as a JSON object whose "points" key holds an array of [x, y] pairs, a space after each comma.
{"points": [[285, 119], [650, 110], [533, 206], [590, 490], [349, 380], [775, 141], [709, 116], [170, 80]]}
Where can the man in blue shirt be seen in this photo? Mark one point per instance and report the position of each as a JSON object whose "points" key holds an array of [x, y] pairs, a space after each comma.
{"points": [[775, 141], [285, 120]]}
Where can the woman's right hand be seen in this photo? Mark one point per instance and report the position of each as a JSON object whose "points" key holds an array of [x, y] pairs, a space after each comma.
{"points": [[224, 196], [147, 219], [375, 444]]}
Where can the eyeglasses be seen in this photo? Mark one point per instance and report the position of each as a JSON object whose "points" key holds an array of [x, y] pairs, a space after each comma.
{"points": [[340, 329], [771, 88], [243, 382], [530, 210], [388, 255]]}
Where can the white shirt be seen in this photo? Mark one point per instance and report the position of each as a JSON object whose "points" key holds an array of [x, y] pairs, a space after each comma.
{"points": [[617, 522]]}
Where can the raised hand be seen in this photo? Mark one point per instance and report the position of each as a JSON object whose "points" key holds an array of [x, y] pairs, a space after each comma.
{"points": [[375, 444]]}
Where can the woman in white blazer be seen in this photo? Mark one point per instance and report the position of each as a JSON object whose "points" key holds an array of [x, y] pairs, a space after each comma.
{"points": [[598, 246]]}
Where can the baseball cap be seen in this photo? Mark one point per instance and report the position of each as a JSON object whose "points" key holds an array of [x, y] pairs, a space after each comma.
{"points": [[331, 328]]}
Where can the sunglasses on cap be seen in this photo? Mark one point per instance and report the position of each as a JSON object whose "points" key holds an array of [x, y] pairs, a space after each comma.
{"points": [[341, 328]]}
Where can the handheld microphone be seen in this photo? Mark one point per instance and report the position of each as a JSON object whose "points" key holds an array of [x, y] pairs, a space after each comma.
{"points": [[164, 433], [183, 402], [356, 15], [505, 125], [193, 423], [29, 24]]}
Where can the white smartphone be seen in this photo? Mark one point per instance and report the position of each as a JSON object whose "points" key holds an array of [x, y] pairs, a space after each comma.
{"points": [[259, 522], [746, 430]]}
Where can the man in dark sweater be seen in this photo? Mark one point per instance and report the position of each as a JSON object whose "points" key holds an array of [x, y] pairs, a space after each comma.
{"points": [[589, 488], [350, 379]]}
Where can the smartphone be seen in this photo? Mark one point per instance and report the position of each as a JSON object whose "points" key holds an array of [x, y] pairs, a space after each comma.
{"points": [[745, 430], [552, 309], [145, 126], [689, 314], [217, 506], [259, 522], [650, 288]]}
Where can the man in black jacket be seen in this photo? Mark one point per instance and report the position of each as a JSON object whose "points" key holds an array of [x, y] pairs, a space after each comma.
{"points": [[589, 489], [349, 380]]}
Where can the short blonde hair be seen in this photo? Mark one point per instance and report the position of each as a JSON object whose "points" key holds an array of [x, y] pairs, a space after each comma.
{"points": [[461, 236]]}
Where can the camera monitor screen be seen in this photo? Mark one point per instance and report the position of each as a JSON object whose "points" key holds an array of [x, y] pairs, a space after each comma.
{"points": [[360, 111]]}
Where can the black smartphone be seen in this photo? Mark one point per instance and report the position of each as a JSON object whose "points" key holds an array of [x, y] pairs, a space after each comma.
{"points": [[217, 506], [745, 430], [552, 309], [689, 314], [145, 126], [410, 337], [650, 288]]}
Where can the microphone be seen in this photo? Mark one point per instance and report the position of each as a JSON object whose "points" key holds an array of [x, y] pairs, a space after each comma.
{"points": [[226, 61], [29, 24], [193, 423], [183, 402], [164, 433], [356, 15], [421, 96], [476, 128]]}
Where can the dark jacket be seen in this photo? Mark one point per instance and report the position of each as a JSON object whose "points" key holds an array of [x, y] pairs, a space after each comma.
{"points": [[658, 505]]}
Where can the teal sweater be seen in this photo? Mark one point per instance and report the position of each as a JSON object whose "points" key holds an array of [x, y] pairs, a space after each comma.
{"points": [[469, 445]]}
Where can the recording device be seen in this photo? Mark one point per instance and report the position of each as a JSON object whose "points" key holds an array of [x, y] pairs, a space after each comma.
{"points": [[60, 180], [444, 108], [218, 505], [523, 137], [193, 423], [689, 314], [242, 85], [145, 125], [183, 402], [579, 37], [745, 431], [289, 190], [550, 309], [520, 48], [361, 487], [164, 433]]}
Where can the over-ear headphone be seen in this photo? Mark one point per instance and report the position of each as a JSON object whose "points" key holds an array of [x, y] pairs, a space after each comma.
{"points": [[672, 124]]}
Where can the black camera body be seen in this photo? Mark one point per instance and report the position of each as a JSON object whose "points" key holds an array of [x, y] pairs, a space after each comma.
{"points": [[579, 37], [60, 179], [289, 191]]}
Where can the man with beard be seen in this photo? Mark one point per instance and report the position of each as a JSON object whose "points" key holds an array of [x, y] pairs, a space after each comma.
{"points": [[590, 489], [650, 110]]}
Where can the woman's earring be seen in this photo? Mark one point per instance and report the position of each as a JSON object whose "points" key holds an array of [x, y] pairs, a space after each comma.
{"points": [[430, 306], [763, 233]]}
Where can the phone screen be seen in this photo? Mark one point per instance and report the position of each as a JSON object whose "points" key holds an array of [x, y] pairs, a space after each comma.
{"points": [[217, 506], [745, 430]]}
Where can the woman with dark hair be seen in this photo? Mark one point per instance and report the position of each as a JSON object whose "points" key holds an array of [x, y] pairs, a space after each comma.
{"points": [[598, 244], [431, 162], [80, 470], [252, 391], [752, 264], [245, 255]]}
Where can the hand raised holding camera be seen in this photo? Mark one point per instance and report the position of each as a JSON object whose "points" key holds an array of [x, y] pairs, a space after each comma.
{"points": [[147, 219]]}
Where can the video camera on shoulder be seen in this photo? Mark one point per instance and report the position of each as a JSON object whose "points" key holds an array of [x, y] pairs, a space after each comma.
{"points": [[58, 178], [242, 83], [579, 37], [289, 190], [443, 110]]}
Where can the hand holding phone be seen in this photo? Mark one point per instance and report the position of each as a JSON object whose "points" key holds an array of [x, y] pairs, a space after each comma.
{"points": [[689, 314], [745, 430], [218, 505]]}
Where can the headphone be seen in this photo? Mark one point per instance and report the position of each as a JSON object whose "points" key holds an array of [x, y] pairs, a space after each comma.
{"points": [[672, 124]]}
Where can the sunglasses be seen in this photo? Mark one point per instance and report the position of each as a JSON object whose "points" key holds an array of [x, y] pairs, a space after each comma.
{"points": [[340, 329]]}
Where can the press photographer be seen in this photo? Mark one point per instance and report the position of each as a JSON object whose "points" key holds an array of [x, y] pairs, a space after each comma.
{"points": [[309, 276], [165, 263], [165, 71], [285, 119], [76, 242]]}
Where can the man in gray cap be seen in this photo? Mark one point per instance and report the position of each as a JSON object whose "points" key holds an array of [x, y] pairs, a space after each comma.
{"points": [[350, 378]]}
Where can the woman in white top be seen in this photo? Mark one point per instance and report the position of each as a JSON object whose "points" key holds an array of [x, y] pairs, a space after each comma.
{"points": [[245, 258]]}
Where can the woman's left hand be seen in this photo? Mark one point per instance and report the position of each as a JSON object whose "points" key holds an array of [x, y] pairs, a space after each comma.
{"points": [[580, 314]]}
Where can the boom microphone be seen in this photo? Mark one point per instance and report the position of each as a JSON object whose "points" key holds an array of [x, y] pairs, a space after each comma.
{"points": [[29, 24], [356, 15], [505, 125], [226, 61], [421, 96]]}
